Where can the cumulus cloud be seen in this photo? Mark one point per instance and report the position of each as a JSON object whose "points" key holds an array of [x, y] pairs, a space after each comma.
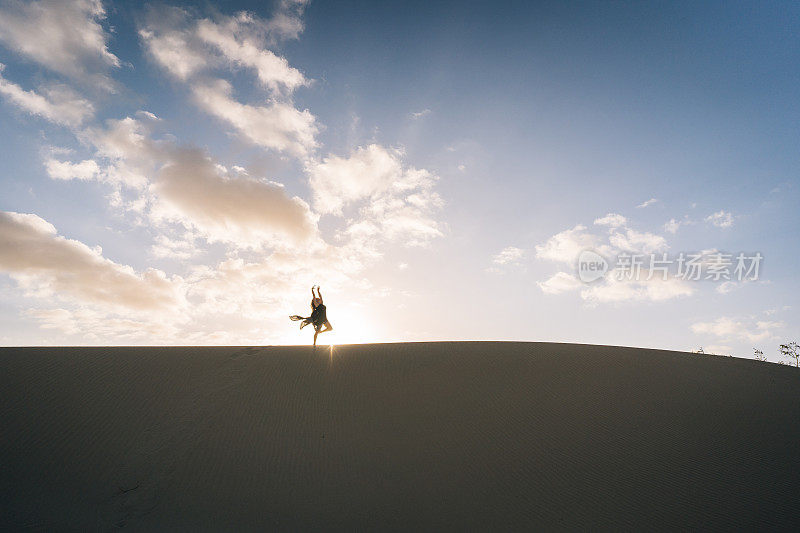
{"points": [[184, 198], [395, 201], [278, 125], [183, 184], [238, 42], [56, 103], [85, 170], [189, 48], [615, 285], [420, 114], [186, 45], [368, 171], [169, 37], [45, 264], [565, 246], [191, 189], [748, 330], [720, 219], [235, 300], [125, 155], [63, 35]]}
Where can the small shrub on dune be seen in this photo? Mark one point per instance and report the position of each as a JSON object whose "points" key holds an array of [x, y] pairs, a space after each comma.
{"points": [[791, 350]]}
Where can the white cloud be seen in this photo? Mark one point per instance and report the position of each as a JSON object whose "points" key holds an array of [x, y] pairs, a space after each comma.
{"points": [[185, 185], [612, 220], [720, 219], [129, 154], [674, 225], [559, 282], [279, 126], [87, 169], [368, 171], [188, 48], [181, 248], [630, 240], [567, 245], [420, 114], [56, 103], [191, 189], [184, 197], [242, 48], [286, 22], [647, 203], [169, 37], [261, 293], [731, 328], [394, 201], [63, 35], [44, 263], [655, 290], [508, 255], [237, 300]]}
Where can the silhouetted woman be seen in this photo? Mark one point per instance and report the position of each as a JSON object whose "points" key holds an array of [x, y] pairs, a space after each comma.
{"points": [[318, 316]]}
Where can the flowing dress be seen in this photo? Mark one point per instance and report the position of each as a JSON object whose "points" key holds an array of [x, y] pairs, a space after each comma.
{"points": [[318, 317]]}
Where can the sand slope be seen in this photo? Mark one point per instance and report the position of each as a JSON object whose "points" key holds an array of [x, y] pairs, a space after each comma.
{"points": [[396, 436]]}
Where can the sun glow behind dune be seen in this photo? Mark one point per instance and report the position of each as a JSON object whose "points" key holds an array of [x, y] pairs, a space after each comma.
{"points": [[351, 325]]}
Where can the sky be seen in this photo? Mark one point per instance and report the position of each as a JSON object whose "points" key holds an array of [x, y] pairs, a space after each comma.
{"points": [[182, 173]]}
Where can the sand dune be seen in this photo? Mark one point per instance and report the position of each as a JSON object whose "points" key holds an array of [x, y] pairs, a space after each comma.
{"points": [[397, 436]]}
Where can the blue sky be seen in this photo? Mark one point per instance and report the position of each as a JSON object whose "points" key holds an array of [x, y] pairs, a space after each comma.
{"points": [[182, 173]]}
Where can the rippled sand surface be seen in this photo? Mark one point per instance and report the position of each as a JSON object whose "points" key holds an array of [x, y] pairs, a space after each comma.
{"points": [[451, 435]]}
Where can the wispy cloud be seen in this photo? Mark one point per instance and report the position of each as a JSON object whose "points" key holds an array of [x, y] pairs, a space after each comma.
{"points": [[45, 263], [566, 246], [56, 103], [65, 36], [743, 329], [720, 219], [190, 48], [508, 255], [647, 203]]}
